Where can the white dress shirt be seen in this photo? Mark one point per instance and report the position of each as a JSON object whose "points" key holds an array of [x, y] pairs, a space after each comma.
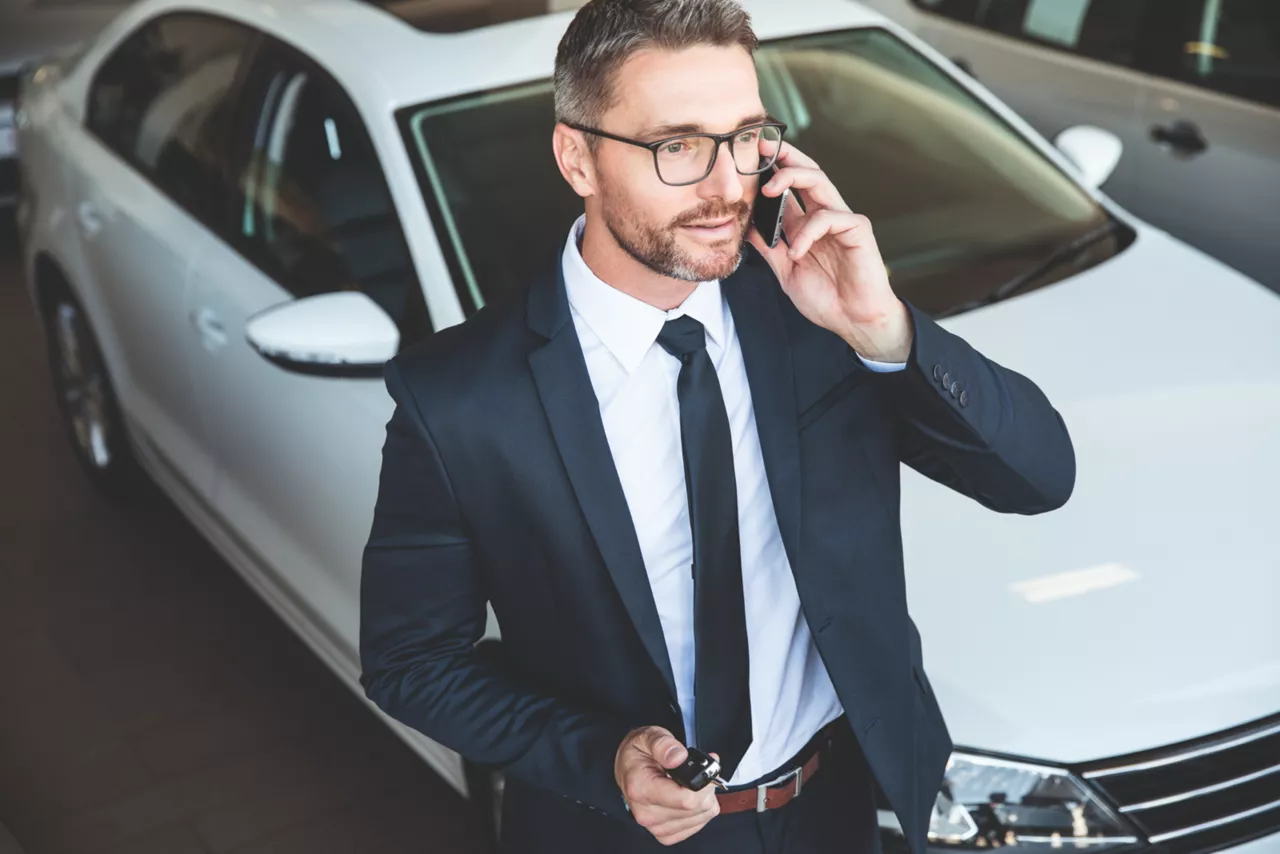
{"points": [[635, 382]]}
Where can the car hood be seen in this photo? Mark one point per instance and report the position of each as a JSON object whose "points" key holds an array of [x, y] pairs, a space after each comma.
{"points": [[1144, 612], [30, 30]]}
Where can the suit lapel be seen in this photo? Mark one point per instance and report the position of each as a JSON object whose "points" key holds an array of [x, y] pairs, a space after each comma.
{"points": [[560, 372], [766, 351]]}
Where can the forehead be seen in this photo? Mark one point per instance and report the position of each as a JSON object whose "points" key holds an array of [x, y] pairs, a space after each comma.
{"points": [[713, 87]]}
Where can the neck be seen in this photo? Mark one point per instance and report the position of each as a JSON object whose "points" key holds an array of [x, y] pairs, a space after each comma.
{"points": [[614, 266]]}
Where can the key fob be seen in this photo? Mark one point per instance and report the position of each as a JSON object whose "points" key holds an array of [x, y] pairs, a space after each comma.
{"points": [[697, 771]]}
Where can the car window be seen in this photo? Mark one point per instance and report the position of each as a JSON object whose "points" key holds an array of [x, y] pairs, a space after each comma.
{"points": [[315, 211], [961, 202], [1233, 46], [161, 98], [1107, 30]]}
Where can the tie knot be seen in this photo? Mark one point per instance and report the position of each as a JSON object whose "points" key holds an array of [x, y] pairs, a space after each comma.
{"points": [[682, 336]]}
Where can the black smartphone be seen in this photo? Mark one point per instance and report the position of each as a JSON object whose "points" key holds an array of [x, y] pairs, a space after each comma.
{"points": [[768, 213]]}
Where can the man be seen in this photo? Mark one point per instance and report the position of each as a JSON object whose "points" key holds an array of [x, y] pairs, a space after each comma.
{"points": [[672, 466]]}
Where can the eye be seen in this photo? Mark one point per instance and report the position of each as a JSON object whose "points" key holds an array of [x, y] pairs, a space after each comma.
{"points": [[749, 135], [677, 147]]}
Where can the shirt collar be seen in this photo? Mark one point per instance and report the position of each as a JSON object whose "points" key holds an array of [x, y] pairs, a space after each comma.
{"points": [[628, 327]]}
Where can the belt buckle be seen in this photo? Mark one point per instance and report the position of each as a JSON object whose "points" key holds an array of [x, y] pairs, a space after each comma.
{"points": [[762, 789]]}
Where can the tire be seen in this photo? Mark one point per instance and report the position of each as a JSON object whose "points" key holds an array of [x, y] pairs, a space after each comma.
{"points": [[87, 402]]}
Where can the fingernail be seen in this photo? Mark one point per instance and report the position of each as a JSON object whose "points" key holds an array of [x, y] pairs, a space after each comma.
{"points": [[671, 751]]}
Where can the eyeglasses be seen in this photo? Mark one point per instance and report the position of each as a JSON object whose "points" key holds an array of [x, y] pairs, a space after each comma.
{"points": [[688, 159]]}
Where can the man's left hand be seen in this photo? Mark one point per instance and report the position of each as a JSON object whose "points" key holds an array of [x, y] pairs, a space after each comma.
{"points": [[833, 271]]}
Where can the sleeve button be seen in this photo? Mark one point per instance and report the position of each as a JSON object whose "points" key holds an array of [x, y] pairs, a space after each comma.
{"points": [[937, 372], [964, 398], [955, 388]]}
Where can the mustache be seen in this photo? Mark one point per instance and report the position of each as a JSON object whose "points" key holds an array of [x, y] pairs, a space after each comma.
{"points": [[712, 210]]}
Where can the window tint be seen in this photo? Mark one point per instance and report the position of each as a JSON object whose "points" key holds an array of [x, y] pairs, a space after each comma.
{"points": [[1109, 30], [1234, 47], [961, 203], [160, 100], [316, 213]]}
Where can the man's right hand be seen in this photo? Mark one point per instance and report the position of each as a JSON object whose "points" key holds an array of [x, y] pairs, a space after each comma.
{"points": [[662, 806]]}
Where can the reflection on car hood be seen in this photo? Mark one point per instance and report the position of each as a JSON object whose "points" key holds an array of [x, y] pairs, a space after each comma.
{"points": [[31, 30], [1144, 611]]}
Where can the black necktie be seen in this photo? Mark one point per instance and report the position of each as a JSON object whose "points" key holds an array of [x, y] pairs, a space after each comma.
{"points": [[722, 699]]}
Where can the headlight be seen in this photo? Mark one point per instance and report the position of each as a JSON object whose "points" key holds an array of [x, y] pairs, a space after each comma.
{"points": [[987, 802]]}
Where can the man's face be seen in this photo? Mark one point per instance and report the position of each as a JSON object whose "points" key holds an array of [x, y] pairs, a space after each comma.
{"points": [[695, 232]]}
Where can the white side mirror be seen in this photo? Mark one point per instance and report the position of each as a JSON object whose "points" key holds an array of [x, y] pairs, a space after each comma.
{"points": [[1094, 151], [343, 333]]}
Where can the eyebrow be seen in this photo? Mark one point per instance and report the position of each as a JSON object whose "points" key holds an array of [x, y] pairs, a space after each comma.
{"points": [[663, 131]]}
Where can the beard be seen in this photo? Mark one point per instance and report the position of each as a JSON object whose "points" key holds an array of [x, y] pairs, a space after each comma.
{"points": [[657, 247]]}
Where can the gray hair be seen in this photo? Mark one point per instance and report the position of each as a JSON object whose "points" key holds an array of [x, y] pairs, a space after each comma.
{"points": [[606, 33]]}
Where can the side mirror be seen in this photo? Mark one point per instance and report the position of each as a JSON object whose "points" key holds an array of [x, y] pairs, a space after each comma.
{"points": [[1094, 151], [339, 334]]}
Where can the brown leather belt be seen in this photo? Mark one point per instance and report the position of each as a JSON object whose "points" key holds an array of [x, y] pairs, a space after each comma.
{"points": [[787, 786]]}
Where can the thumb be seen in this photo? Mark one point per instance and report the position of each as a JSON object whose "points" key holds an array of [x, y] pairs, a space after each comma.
{"points": [[666, 749]]}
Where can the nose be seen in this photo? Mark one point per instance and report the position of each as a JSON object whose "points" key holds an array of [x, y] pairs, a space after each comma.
{"points": [[724, 182]]}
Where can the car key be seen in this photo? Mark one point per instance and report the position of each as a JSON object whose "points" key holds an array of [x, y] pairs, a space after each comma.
{"points": [[697, 771]]}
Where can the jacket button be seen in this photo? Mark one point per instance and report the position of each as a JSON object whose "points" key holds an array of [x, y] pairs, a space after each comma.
{"points": [[955, 388], [937, 372], [946, 380], [964, 398]]}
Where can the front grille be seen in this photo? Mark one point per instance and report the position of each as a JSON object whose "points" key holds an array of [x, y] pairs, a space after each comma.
{"points": [[1202, 795]]}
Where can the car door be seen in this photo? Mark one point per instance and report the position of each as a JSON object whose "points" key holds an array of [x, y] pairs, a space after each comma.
{"points": [[299, 455], [1211, 174], [144, 179], [1058, 63]]}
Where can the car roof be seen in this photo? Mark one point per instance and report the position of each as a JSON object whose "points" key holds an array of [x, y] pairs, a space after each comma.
{"points": [[385, 61]]}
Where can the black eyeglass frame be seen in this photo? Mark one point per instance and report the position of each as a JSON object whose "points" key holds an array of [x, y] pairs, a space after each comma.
{"points": [[715, 153]]}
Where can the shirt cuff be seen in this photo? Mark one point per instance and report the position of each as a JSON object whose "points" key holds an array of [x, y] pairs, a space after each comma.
{"points": [[881, 367]]}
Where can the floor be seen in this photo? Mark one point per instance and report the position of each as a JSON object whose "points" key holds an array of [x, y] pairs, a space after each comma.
{"points": [[150, 703]]}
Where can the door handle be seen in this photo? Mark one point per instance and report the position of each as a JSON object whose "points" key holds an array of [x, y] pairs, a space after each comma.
{"points": [[212, 332], [1181, 136], [89, 218]]}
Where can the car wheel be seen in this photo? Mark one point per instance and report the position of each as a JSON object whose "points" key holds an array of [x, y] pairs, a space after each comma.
{"points": [[485, 786], [87, 401]]}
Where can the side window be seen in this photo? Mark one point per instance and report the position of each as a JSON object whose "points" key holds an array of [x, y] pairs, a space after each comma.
{"points": [[316, 213], [1107, 30], [160, 98], [1235, 48]]}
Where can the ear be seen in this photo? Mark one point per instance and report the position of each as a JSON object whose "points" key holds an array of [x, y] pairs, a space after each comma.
{"points": [[574, 159]]}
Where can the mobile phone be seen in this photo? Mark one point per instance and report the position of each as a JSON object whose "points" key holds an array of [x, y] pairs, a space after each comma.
{"points": [[768, 213]]}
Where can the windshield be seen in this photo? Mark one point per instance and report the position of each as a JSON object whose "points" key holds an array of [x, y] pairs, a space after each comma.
{"points": [[961, 203]]}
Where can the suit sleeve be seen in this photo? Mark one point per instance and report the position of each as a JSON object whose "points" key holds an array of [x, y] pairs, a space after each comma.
{"points": [[422, 609], [996, 438]]}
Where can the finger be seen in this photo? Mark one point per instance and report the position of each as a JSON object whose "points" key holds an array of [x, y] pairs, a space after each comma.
{"points": [[816, 186], [683, 829], [789, 155], [661, 791], [655, 817], [824, 223]]}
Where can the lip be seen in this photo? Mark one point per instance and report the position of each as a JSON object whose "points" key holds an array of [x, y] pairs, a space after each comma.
{"points": [[717, 230]]}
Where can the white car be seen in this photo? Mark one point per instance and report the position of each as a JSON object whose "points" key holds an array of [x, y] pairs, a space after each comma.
{"points": [[1191, 88], [237, 211]]}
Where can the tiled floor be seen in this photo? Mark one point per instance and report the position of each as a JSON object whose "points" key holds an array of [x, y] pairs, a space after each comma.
{"points": [[149, 702]]}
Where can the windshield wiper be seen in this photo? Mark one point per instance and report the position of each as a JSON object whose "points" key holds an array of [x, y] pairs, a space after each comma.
{"points": [[1070, 252]]}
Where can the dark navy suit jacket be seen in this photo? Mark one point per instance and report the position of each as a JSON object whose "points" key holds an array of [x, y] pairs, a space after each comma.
{"points": [[498, 485]]}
